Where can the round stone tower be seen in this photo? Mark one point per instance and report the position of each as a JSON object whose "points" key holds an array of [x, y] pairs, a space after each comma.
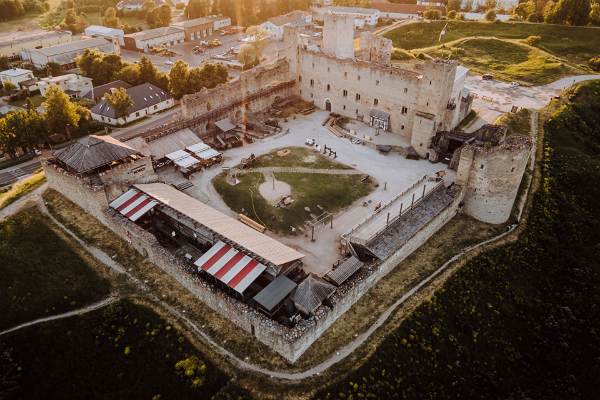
{"points": [[491, 178]]}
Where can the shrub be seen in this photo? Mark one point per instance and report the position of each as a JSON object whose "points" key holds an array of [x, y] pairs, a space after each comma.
{"points": [[532, 17], [421, 56], [179, 6], [461, 16], [451, 14], [20, 95], [595, 63], [432, 14], [533, 40], [490, 15]]}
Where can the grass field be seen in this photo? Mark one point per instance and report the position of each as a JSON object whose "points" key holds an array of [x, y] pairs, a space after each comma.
{"points": [[330, 192], [122, 351], [574, 44], [301, 157], [518, 123], [41, 274], [468, 119], [506, 59], [36, 99], [21, 189]]}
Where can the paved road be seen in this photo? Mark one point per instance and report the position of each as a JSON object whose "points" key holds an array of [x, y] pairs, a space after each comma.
{"points": [[19, 172]]}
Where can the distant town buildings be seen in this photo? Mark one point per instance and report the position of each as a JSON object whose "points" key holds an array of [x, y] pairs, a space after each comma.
{"points": [[65, 54], [72, 84], [196, 29], [299, 19], [362, 16], [18, 45], [144, 40], [131, 5]]}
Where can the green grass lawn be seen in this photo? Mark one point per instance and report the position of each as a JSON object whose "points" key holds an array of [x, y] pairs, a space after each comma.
{"points": [[575, 44], [301, 157], [468, 119], [509, 60], [331, 192], [41, 275], [36, 99], [122, 351], [518, 123]]}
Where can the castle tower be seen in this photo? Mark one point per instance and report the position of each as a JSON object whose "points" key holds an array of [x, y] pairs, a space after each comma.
{"points": [[431, 113], [291, 41], [338, 35], [491, 178]]}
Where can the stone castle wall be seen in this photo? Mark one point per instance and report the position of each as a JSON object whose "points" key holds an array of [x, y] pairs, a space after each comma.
{"points": [[338, 35], [375, 48], [491, 178]]}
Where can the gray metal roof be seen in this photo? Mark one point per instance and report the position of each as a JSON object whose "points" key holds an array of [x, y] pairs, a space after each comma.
{"points": [[379, 114], [93, 152], [400, 231], [311, 292], [73, 46], [225, 125], [345, 270], [275, 291]]}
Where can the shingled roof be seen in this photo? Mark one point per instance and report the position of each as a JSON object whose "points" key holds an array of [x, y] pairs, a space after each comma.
{"points": [[311, 292], [93, 152]]}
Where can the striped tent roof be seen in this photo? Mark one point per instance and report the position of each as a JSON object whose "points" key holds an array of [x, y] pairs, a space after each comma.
{"points": [[133, 204], [230, 266]]}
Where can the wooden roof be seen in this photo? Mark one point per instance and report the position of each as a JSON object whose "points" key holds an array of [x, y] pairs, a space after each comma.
{"points": [[93, 152], [229, 228], [162, 146], [311, 292]]}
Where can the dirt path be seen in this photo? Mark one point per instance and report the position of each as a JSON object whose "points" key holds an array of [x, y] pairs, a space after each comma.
{"points": [[17, 205], [82, 310]]}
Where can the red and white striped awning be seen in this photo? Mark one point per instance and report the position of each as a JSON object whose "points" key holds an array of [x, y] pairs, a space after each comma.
{"points": [[230, 266], [133, 204]]}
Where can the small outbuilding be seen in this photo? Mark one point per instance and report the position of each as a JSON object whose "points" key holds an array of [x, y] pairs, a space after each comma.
{"points": [[311, 293], [272, 298]]}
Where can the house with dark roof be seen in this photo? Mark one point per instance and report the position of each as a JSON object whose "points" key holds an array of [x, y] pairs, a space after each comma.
{"points": [[147, 99], [96, 94]]}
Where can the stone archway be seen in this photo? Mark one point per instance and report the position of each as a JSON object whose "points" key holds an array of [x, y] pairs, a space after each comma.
{"points": [[427, 156]]}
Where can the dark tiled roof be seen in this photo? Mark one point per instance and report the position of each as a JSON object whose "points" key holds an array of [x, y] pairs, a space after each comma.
{"points": [[311, 292], [345, 270], [100, 91], [93, 152], [143, 96]]}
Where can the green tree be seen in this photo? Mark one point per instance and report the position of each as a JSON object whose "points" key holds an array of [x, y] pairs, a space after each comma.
{"points": [[59, 112], [258, 39], [9, 87], [101, 68], [453, 5], [573, 12], [8, 140], [129, 74], [595, 14], [533, 40], [468, 6], [246, 54], [195, 9], [524, 9], [432, 13], [27, 126], [162, 81], [490, 15], [110, 19], [52, 68], [148, 71], [4, 60], [193, 369], [121, 102], [178, 79], [165, 15], [451, 14], [595, 63], [71, 19]]}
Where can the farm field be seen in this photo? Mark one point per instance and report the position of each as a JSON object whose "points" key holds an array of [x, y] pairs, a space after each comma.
{"points": [[520, 318]]}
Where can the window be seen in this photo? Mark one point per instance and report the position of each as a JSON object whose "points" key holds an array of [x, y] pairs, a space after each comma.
{"points": [[377, 82], [301, 92], [102, 118], [375, 102], [405, 90], [359, 77], [345, 74], [192, 36], [328, 87], [313, 65], [345, 93], [328, 69], [357, 97], [344, 107], [404, 110], [300, 78], [402, 127], [311, 95], [137, 114], [356, 111], [430, 82], [155, 107], [312, 82], [512, 170], [481, 166]]}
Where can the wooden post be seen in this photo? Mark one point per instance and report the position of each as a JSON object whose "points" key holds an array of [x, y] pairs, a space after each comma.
{"points": [[312, 239], [384, 185], [424, 186], [413, 200], [388, 220], [273, 182], [400, 214], [331, 221]]}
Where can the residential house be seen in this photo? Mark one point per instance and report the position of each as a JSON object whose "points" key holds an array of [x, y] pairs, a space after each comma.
{"points": [[96, 94], [147, 99], [65, 54], [16, 46], [362, 16], [144, 40], [301, 19], [71, 84]]}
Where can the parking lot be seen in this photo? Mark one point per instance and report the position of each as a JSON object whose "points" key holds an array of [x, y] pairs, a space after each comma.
{"points": [[185, 53]]}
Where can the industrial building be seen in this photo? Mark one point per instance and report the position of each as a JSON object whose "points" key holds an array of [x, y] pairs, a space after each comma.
{"points": [[65, 54]]}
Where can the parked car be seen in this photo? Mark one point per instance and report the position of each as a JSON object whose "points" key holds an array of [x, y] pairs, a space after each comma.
{"points": [[513, 85], [37, 152], [223, 33], [487, 77], [198, 50], [169, 62], [203, 43]]}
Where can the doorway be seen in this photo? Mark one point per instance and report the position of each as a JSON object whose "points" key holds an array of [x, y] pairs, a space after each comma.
{"points": [[327, 105]]}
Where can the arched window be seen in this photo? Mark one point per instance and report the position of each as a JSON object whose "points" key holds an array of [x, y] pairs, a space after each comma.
{"points": [[328, 87], [300, 78]]}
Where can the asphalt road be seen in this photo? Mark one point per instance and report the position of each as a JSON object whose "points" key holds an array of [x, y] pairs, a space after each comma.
{"points": [[19, 172]]}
